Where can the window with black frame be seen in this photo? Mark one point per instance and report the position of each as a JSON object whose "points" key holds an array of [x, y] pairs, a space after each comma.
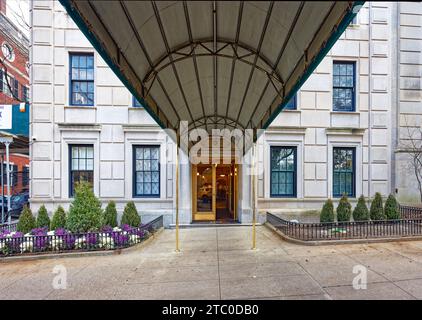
{"points": [[81, 165], [25, 96], [344, 172], [292, 104], [25, 176], [13, 170], [4, 178], [15, 175], [344, 86], [15, 89], [8, 84], [1, 80], [136, 103], [82, 79], [283, 171], [146, 182]]}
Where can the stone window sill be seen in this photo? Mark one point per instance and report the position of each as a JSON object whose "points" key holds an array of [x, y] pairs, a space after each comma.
{"points": [[80, 107]]}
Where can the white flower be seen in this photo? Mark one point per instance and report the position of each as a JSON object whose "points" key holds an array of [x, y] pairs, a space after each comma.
{"points": [[50, 233], [134, 238], [116, 229], [106, 242], [27, 246], [2, 245], [56, 244], [124, 233], [80, 242], [28, 235]]}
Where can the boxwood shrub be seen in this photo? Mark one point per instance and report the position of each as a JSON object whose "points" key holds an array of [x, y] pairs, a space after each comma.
{"points": [[59, 219], [110, 215], [43, 220], [361, 212], [327, 212], [26, 221], [85, 213], [130, 215], [344, 209], [377, 211], [391, 209]]}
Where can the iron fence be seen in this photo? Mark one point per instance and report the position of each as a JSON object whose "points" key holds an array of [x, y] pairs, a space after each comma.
{"points": [[8, 227], [14, 243], [410, 212], [409, 226]]}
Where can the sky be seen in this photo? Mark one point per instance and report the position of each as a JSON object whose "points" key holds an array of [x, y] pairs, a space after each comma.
{"points": [[18, 12]]}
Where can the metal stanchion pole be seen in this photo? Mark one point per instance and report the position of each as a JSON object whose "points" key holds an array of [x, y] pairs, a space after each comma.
{"points": [[8, 181], [253, 199], [2, 187], [177, 194]]}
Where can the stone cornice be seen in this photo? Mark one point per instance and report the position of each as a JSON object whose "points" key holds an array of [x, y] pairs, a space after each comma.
{"points": [[285, 130], [345, 131], [79, 126], [141, 127]]}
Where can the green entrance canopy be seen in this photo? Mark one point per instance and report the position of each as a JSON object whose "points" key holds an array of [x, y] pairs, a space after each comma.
{"points": [[215, 64]]}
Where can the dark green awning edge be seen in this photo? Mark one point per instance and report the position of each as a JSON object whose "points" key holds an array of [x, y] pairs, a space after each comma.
{"points": [[96, 44]]}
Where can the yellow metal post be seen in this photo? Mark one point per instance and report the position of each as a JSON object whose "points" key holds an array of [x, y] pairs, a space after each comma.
{"points": [[177, 195], [253, 200]]}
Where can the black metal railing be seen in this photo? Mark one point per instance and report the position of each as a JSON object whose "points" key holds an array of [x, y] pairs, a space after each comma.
{"points": [[348, 230], [14, 243], [410, 212], [9, 227]]}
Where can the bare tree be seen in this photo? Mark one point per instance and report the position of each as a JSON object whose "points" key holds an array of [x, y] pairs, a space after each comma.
{"points": [[19, 16], [18, 13], [411, 144], [7, 82]]}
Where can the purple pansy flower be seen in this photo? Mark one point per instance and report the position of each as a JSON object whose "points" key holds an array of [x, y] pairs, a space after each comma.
{"points": [[18, 234], [40, 243], [120, 239], [39, 231], [91, 239], [61, 232], [107, 229], [126, 227], [68, 241]]}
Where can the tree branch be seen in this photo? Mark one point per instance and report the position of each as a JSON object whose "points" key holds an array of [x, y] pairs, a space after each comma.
{"points": [[7, 82]]}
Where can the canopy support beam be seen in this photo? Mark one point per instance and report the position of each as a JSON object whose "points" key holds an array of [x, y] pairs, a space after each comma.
{"points": [[7, 141], [253, 171]]}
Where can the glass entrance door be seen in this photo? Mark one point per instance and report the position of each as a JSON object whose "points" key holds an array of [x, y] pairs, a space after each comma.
{"points": [[204, 192], [214, 192], [223, 193]]}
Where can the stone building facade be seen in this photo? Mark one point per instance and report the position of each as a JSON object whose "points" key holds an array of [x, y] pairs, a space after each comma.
{"points": [[14, 57], [407, 100], [341, 133]]}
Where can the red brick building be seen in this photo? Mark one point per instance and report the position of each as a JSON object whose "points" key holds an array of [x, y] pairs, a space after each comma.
{"points": [[14, 61], [14, 89], [19, 165]]}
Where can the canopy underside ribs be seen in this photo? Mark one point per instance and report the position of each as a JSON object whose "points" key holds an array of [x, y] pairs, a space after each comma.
{"points": [[213, 63]]}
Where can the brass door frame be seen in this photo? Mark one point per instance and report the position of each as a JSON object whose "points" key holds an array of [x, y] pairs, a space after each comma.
{"points": [[211, 215], [203, 215]]}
